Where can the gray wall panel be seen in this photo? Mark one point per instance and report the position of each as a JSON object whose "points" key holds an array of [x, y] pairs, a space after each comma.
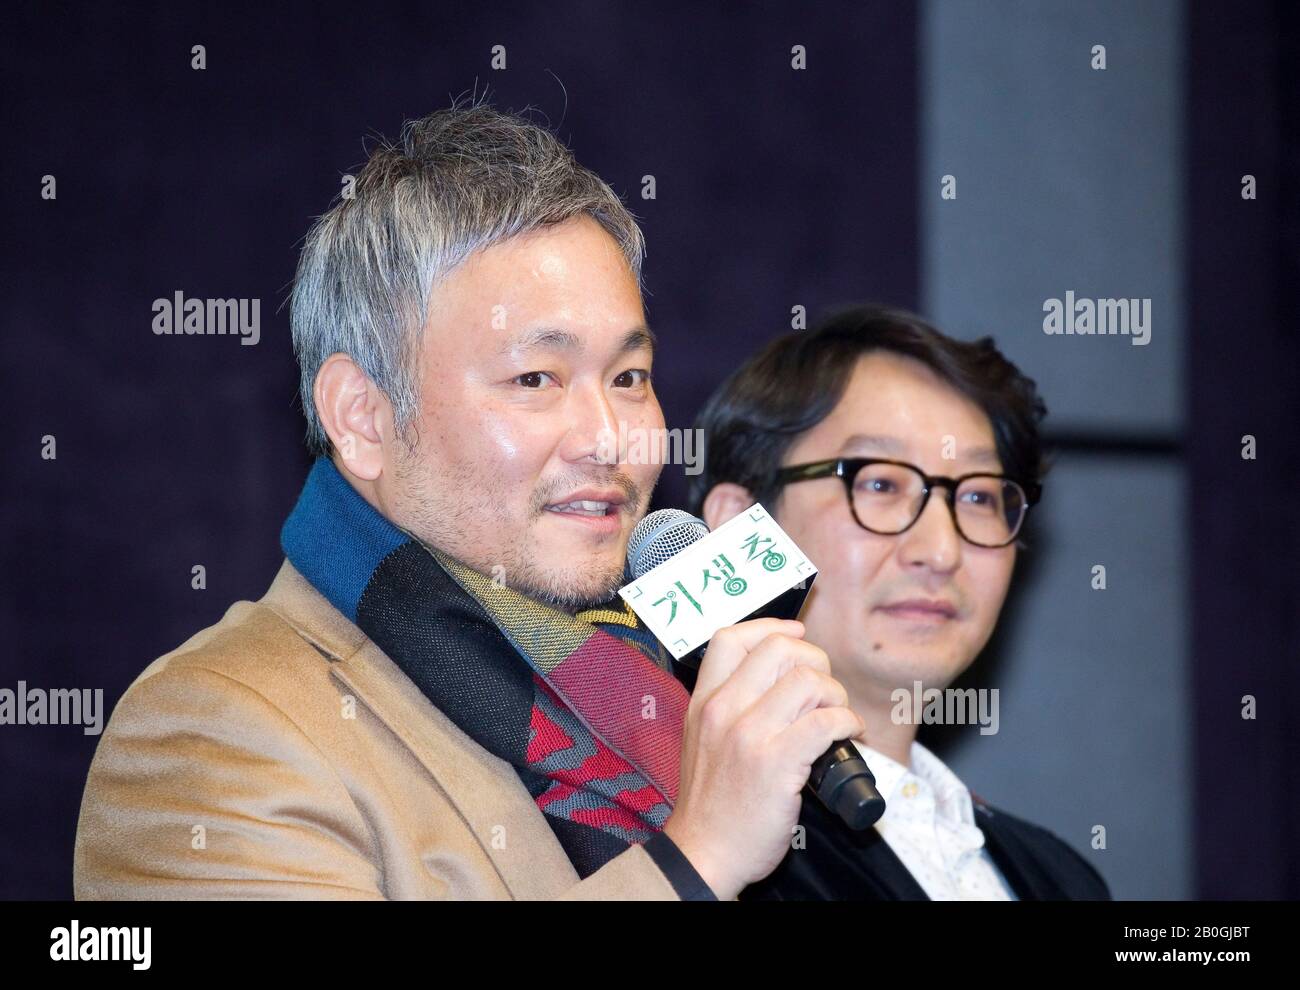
{"points": [[1070, 178]]}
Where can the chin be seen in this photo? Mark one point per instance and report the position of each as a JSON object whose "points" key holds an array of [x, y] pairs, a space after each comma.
{"points": [[896, 665], [576, 591], [935, 671]]}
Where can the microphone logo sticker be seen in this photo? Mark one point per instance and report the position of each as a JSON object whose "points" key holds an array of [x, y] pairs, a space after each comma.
{"points": [[718, 580]]}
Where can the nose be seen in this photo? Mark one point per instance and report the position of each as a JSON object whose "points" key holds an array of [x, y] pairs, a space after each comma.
{"points": [[932, 542], [593, 428]]}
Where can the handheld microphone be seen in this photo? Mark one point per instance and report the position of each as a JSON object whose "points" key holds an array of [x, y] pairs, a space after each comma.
{"points": [[840, 777]]}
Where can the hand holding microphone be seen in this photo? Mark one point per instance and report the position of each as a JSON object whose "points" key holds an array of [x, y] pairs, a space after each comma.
{"points": [[766, 718], [764, 708]]}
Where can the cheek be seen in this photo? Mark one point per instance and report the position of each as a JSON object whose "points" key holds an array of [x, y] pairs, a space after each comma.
{"points": [[495, 443], [501, 438], [855, 561], [849, 560], [987, 581], [466, 425], [650, 418]]}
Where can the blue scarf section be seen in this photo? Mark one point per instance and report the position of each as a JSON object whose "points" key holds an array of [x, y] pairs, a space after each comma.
{"points": [[336, 539]]}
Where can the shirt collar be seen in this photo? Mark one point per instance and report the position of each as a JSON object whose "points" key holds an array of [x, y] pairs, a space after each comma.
{"points": [[952, 798], [889, 773]]}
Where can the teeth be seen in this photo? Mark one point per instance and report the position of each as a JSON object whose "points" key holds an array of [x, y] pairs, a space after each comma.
{"points": [[584, 507]]}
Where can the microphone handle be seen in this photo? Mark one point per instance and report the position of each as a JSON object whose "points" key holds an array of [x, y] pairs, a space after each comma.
{"points": [[840, 778], [844, 783]]}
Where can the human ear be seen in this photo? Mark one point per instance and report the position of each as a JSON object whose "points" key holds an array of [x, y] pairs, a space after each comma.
{"points": [[724, 501], [355, 414]]}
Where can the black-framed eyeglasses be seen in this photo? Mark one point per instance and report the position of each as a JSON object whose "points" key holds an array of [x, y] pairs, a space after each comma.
{"points": [[886, 497]]}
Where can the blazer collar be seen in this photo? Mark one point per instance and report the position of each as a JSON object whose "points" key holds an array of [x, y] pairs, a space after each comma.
{"points": [[1016, 861], [485, 789]]}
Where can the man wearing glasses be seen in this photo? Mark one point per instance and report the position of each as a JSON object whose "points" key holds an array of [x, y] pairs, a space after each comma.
{"points": [[904, 463]]}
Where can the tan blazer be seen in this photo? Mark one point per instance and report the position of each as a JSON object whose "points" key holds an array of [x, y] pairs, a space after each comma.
{"points": [[281, 754]]}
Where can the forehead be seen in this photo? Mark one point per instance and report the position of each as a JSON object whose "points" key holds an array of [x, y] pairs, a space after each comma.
{"points": [[571, 277], [895, 406], [562, 263]]}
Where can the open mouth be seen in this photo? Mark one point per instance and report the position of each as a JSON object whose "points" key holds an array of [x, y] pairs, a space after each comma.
{"points": [[584, 507]]}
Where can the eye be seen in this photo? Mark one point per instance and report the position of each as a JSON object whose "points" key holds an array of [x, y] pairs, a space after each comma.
{"points": [[533, 379], [984, 498], [876, 485], [622, 381]]}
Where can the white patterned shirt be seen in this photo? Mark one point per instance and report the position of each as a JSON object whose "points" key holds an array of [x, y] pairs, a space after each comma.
{"points": [[929, 823]]}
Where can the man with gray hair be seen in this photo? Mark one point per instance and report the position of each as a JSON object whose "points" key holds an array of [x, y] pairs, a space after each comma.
{"points": [[441, 694]]}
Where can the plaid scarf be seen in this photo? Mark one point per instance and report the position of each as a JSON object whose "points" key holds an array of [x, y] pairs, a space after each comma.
{"points": [[578, 705]]}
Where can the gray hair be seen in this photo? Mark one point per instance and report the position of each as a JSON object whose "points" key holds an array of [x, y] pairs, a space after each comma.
{"points": [[460, 180]]}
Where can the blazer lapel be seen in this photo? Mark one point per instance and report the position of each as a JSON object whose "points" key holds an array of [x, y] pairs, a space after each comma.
{"points": [[886, 872], [1015, 861], [839, 864], [484, 788]]}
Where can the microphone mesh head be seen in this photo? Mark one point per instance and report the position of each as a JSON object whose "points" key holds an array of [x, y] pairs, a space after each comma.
{"points": [[659, 536]]}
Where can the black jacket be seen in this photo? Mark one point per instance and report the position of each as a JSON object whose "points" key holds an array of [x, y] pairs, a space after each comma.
{"points": [[840, 864]]}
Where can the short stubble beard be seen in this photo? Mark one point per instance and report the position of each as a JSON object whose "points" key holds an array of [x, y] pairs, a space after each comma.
{"points": [[420, 505]]}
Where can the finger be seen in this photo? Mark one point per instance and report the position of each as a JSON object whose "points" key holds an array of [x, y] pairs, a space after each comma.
{"points": [[800, 691], [765, 665], [731, 644], [809, 736]]}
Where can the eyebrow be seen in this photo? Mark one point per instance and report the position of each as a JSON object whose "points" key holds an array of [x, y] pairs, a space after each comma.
{"points": [[890, 445], [896, 448], [559, 339]]}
